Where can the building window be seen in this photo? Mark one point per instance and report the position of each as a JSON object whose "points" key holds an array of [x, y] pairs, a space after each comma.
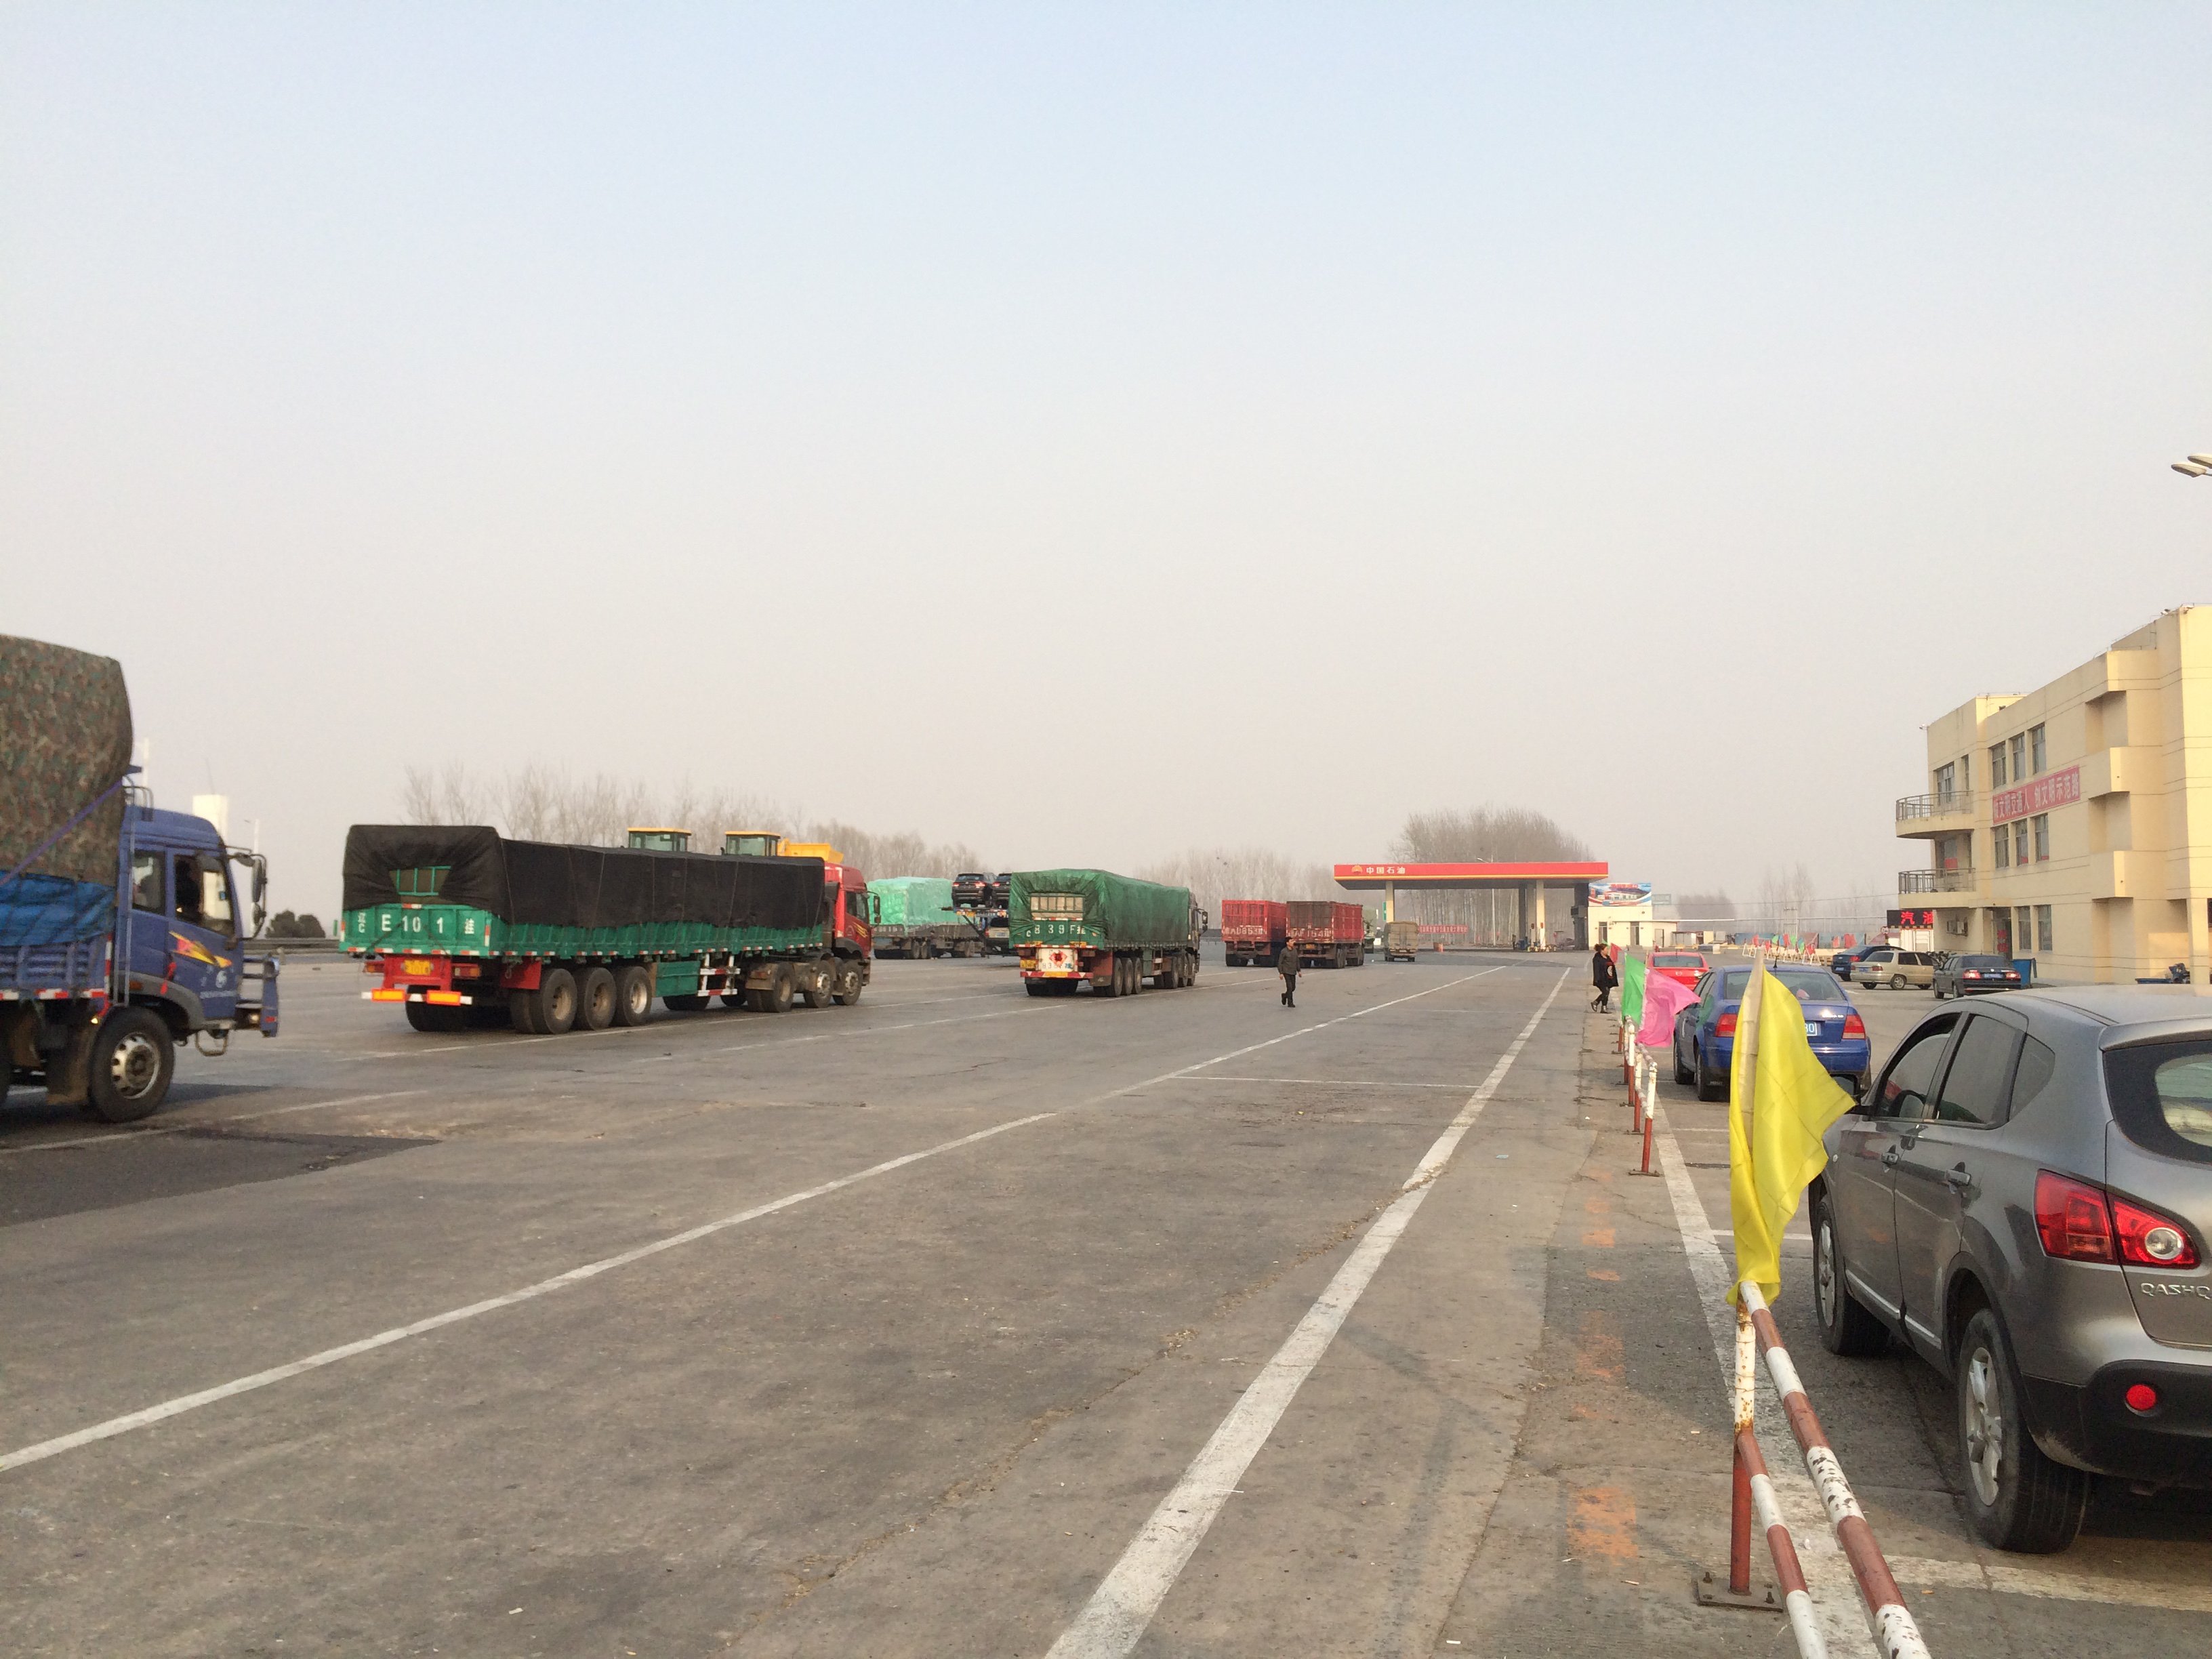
{"points": [[2041, 824], [2037, 758], [2004, 847], [2023, 938], [2043, 928], [2020, 758], [2020, 840], [1947, 781], [1996, 766]]}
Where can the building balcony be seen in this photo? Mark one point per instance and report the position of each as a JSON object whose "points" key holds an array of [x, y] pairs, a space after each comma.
{"points": [[2122, 771], [1950, 888], [1937, 815]]}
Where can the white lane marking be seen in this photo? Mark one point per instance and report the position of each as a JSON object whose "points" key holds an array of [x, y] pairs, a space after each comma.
{"points": [[181, 1403], [178, 1127], [2053, 1586], [1115, 1617], [1335, 1082], [1837, 1608]]}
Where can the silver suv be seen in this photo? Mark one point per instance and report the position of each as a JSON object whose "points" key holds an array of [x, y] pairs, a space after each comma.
{"points": [[2024, 1197]]}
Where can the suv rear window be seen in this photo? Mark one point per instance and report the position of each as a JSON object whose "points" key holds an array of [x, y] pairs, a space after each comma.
{"points": [[2161, 1094]]}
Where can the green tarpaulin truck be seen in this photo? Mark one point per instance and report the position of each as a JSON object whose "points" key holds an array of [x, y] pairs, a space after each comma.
{"points": [[1072, 927], [915, 917], [472, 929]]}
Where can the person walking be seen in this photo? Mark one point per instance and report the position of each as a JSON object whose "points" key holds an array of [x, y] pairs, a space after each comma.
{"points": [[1603, 976], [1287, 965]]}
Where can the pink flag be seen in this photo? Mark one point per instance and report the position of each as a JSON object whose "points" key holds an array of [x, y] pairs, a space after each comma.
{"points": [[1663, 998]]}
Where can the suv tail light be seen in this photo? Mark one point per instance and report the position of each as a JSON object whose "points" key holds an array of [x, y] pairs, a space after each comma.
{"points": [[2080, 1222], [2148, 1239], [1853, 1025], [1726, 1026]]}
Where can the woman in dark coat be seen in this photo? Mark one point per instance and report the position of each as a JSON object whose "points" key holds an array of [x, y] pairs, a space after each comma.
{"points": [[1287, 965], [1603, 975]]}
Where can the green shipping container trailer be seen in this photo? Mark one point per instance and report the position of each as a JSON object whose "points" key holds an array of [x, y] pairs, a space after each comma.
{"points": [[1075, 926], [915, 917], [472, 929]]}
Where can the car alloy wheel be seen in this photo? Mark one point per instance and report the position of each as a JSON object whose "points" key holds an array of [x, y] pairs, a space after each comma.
{"points": [[1983, 1428]]}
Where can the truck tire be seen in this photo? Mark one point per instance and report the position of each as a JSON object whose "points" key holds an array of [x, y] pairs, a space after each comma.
{"points": [[1111, 985], [776, 998], [850, 983], [425, 1017], [132, 1061], [819, 984], [686, 1003], [553, 1004], [595, 998], [522, 1012], [1036, 988], [633, 995]]}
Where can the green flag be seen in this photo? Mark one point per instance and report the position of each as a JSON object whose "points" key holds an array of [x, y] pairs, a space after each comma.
{"points": [[1631, 988]]}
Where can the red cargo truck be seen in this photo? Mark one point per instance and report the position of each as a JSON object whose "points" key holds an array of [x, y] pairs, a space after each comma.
{"points": [[1253, 930], [1326, 934]]}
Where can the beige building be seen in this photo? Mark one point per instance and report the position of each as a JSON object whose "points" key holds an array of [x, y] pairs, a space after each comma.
{"points": [[2074, 824]]}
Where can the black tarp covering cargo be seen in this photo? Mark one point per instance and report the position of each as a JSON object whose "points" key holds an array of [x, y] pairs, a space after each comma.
{"points": [[64, 743], [538, 883]]}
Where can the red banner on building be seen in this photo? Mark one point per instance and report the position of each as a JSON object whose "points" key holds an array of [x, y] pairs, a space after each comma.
{"points": [[2036, 795]]}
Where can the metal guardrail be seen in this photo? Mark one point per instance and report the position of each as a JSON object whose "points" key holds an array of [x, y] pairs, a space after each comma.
{"points": [[1890, 1623], [1938, 881], [1958, 804]]}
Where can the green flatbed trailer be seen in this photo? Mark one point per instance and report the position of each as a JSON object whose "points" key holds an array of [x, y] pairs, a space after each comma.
{"points": [[1072, 927]]}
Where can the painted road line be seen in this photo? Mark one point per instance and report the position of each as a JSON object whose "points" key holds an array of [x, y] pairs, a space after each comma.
{"points": [[182, 1403], [2006, 1579], [1335, 1082], [1836, 1607], [1119, 1612], [180, 1127]]}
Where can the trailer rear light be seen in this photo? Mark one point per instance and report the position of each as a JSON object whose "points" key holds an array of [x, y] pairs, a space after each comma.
{"points": [[386, 996], [2148, 1239], [445, 999], [1853, 1025], [1727, 1026], [2071, 1217], [2142, 1398], [467, 970]]}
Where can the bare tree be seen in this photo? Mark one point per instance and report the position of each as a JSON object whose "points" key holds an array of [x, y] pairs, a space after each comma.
{"points": [[1483, 835], [1213, 873]]}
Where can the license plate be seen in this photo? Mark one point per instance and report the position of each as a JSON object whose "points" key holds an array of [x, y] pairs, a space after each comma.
{"points": [[416, 965], [1812, 1028]]}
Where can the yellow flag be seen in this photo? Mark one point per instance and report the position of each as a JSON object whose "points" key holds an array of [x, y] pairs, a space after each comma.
{"points": [[1791, 1100]]}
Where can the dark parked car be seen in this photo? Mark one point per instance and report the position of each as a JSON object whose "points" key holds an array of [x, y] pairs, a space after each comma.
{"points": [[1967, 976], [1842, 961], [2024, 1199], [1705, 1032], [971, 890]]}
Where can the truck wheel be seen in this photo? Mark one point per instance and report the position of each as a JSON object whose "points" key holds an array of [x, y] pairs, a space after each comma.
{"points": [[553, 1004], [685, 1003], [1111, 985], [817, 991], [1036, 988], [850, 983], [424, 1017], [132, 1061], [776, 999], [595, 999], [633, 995], [522, 1012]]}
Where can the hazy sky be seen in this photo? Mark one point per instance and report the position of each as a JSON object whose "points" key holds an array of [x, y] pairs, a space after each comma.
{"points": [[1089, 432]]}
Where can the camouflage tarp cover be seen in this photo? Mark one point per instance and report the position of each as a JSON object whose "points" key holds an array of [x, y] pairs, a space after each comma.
{"points": [[64, 737]]}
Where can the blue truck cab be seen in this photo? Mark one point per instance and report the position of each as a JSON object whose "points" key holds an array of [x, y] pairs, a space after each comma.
{"points": [[99, 986]]}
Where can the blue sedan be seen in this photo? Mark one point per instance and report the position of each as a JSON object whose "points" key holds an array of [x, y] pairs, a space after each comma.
{"points": [[1705, 1032]]}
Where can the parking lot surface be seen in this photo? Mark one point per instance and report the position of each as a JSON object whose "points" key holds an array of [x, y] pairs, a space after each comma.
{"points": [[921, 1328]]}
